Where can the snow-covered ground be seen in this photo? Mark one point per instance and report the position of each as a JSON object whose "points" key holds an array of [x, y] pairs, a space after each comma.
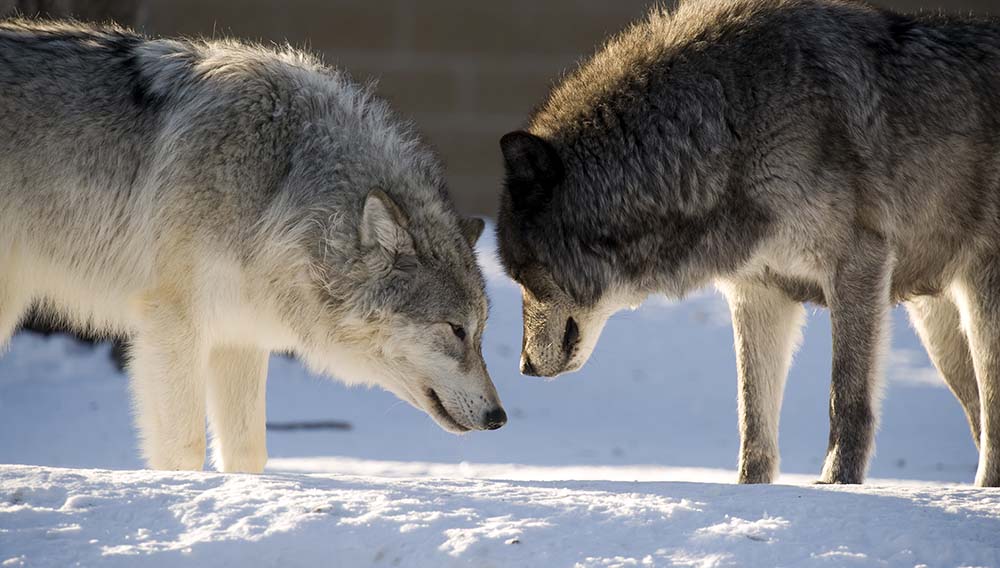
{"points": [[628, 462], [61, 517]]}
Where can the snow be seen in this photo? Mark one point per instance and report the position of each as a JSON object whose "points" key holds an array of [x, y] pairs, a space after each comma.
{"points": [[60, 517], [626, 463]]}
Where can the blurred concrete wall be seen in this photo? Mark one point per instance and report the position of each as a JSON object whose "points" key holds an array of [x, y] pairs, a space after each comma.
{"points": [[466, 71], [125, 12]]}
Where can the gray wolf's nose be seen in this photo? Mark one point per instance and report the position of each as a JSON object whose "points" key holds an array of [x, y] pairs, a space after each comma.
{"points": [[495, 418], [527, 368], [572, 335]]}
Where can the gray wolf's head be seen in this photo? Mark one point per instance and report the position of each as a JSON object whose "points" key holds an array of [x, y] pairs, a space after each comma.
{"points": [[629, 180], [408, 313], [564, 265]]}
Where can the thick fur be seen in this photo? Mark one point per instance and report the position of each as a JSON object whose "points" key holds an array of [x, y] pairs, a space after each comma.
{"points": [[790, 151], [216, 202]]}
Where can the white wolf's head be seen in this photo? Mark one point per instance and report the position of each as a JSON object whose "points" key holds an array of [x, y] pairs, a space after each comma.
{"points": [[407, 314]]}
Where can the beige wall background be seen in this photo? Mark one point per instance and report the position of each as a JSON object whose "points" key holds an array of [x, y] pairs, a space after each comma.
{"points": [[466, 71]]}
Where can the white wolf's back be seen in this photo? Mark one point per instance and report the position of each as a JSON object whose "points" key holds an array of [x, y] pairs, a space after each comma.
{"points": [[77, 209]]}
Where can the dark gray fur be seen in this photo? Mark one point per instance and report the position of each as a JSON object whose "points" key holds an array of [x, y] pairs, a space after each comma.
{"points": [[790, 151]]}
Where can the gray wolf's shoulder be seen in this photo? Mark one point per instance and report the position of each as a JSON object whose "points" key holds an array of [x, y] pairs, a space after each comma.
{"points": [[713, 39], [40, 31]]}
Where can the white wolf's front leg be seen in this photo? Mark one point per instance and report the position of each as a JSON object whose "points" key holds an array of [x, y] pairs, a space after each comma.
{"points": [[766, 328], [13, 302], [236, 398], [12, 308], [168, 386], [858, 293]]}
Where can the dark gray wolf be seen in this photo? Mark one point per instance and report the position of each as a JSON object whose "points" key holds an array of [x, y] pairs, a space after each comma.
{"points": [[789, 151], [217, 201]]}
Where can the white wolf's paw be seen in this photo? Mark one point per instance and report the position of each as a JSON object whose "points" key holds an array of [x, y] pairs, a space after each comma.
{"points": [[244, 462], [170, 456], [177, 462]]}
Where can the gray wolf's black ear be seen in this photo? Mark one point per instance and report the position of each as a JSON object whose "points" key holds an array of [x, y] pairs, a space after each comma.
{"points": [[533, 169], [472, 229]]}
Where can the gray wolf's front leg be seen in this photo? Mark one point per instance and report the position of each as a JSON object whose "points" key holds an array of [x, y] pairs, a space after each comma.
{"points": [[978, 295], [859, 299], [766, 329]]}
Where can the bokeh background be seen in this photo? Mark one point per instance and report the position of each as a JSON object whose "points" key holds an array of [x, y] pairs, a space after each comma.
{"points": [[465, 71]]}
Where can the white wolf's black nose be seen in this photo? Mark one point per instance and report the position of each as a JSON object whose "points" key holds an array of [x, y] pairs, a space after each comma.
{"points": [[495, 418]]}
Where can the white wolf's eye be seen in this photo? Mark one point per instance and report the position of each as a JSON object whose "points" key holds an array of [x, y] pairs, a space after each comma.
{"points": [[458, 330]]}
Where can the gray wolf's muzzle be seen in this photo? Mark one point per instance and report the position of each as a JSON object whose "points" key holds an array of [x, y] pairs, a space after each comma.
{"points": [[527, 368]]}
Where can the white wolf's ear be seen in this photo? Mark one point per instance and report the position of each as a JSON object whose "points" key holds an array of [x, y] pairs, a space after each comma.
{"points": [[472, 229], [383, 225]]}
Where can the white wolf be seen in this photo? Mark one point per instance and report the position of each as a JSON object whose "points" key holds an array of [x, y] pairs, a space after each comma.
{"points": [[216, 202]]}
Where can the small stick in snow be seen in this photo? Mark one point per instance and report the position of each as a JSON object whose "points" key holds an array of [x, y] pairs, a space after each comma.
{"points": [[309, 425]]}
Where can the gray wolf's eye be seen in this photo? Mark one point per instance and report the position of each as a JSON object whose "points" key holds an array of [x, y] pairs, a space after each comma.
{"points": [[458, 330]]}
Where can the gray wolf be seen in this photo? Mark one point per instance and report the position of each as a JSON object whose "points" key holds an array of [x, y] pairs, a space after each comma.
{"points": [[789, 151], [216, 202]]}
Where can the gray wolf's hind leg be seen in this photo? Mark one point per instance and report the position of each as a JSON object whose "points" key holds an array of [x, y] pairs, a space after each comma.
{"points": [[938, 323], [766, 329], [236, 397], [978, 300]]}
